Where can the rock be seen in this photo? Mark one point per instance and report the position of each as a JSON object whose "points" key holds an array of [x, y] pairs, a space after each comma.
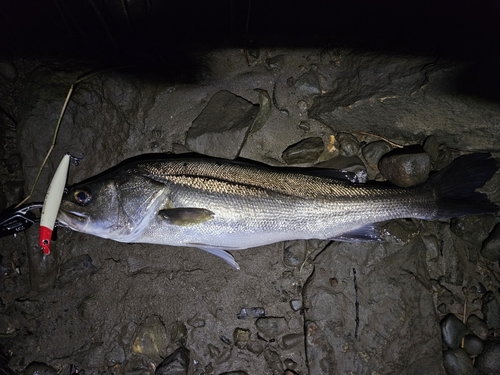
{"points": [[222, 127], [296, 304], [251, 313], [151, 339], [75, 268], [431, 146], [176, 363], [14, 163], [489, 360], [273, 360], [351, 164], [432, 246], [271, 327], [373, 151], [265, 109], [292, 339], [473, 345], [8, 70], [39, 368], [491, 246], [309, 83], [477, 326], [473, 229], [491, 310], [115, 356], [241, 337], [452, 331], [290, 364], [457, 362], [294, 253], [404, 168], [305, 151], [276, 63], [178, 332], [234, 373], [348, 144]]}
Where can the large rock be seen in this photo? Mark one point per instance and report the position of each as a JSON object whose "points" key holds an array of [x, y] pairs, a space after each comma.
{"points": [[222, 127]]}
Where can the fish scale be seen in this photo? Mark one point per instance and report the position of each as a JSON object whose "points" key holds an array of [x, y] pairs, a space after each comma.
{"points": [[219, 205]]}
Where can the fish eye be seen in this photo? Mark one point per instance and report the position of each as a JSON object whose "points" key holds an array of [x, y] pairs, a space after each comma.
{"points": [[82, 197]]}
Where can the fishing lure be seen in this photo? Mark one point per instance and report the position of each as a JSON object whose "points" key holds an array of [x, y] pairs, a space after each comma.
{"points": [[52, 203]]}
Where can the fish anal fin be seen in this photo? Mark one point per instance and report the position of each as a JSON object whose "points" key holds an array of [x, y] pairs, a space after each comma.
{"points": [[217, 251], [186, 216], [366, 233]]}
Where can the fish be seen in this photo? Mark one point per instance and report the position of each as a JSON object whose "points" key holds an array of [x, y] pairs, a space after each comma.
{"points": [[220, 205]]}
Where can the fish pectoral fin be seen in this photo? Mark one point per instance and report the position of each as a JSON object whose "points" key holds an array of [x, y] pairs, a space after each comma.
{"points": [[217, 251], [186, 216], [366, 233]]}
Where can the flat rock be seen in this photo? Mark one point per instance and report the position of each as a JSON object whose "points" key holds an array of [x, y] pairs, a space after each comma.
{"points": [[222, 127], [305, 151], [477, 326]]}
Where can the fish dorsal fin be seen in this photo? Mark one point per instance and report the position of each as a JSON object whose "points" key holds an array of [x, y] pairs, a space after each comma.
{"points": [[366, 233], [186, 216]]}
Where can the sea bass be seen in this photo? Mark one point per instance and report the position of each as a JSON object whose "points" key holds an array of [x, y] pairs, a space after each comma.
{"points": [[218, 205]]}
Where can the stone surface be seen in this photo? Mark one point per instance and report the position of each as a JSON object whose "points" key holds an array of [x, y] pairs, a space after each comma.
{"points": [[405, 169], [305, 151], [473, 345], [222, 127], [452, 331], [489, 360], [477, 326], [491, 246], [491, 310], [176, 363], [457, 362]]}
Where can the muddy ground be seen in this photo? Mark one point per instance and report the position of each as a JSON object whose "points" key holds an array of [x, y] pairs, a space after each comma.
{"points": [[96, 306]]}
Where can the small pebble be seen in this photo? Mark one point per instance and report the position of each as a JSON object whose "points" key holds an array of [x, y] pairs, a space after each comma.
{"points": [[442, 308], [452, 331], [251, 313], [491, 310], [489, 360], [491, 246], [151, 339], [302, 105], [431, 243], [13, 163], [457, 362], [305, 151], [271, 327], [290, 364], [473, 344], [39, 368], [213, 351], [348, 144], [304, 125], [75, 268], [291, 340], [273, 360], [296, 304], [234, 373], [178, 332], [176, 363], [477, 326], [309, 83], [294, 253], [405, 169], [241, 337], [276, 62], [373, 151]]}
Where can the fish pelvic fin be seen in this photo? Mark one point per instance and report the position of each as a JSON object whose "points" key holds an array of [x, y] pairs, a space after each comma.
{"points": [[454, 186], [366, 233], [219, 252]]}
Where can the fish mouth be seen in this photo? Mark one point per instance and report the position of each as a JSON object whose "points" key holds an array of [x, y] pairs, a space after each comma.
{"points": [[66, 216]]}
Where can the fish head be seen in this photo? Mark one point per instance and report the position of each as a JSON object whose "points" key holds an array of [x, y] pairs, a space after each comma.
{"points": [[119, 207]]}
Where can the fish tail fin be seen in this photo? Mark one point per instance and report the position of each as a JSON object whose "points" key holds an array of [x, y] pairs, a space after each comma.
{"points": [[454, 186]]}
